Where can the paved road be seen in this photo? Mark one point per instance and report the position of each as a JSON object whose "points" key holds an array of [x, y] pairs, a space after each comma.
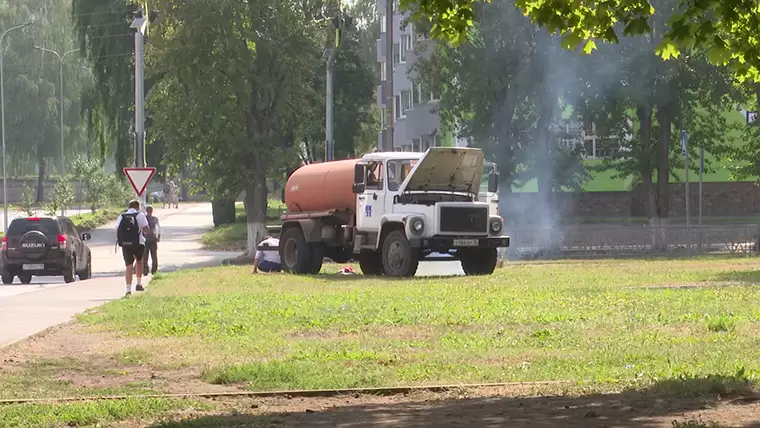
{"points": [[28, 309]]}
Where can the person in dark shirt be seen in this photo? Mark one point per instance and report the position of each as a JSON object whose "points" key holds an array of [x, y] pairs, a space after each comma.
{"points": [[151, 242]]}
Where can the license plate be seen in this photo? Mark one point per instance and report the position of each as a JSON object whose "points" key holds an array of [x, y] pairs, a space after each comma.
{"points": [[465, 242], [34, 267]]}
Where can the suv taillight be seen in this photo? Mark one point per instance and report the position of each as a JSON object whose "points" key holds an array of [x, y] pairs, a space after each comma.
{"points": [[62, 241], [5, 243]]}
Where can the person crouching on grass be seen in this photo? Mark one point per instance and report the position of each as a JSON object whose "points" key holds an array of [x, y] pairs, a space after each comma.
{"points": [[267, 260]]}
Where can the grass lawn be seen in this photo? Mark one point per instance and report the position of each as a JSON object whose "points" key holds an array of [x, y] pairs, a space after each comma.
{"points": [[602, 325], [232, 237]]}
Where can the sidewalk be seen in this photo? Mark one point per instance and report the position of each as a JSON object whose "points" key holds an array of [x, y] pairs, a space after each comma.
{"points": [[26, 313]]}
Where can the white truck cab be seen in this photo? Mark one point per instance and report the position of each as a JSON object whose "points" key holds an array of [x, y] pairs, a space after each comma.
{"points": [[431, 201]]}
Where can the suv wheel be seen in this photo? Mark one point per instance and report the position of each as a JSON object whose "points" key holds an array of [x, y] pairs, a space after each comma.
{"points": [[7, 279], [87, 273], [25, 279], [70, 274]]}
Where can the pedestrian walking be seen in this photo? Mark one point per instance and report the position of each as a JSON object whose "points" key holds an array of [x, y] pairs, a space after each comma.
{"points": [[131, 228], [268, 260], [151, 242], [167, 193]]}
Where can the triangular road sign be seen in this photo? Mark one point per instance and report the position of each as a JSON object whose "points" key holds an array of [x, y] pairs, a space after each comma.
{"points": [[139, 178]]}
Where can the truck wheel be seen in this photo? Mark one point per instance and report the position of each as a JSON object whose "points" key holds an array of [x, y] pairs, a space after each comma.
{"points": [[399, 259], [371, 263], [481, 261], [7, 278], [295, 252], [317, 257]]}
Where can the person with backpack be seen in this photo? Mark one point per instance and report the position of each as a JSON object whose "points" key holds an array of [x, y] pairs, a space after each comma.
{"points": [[151, 242], [131, 228]]}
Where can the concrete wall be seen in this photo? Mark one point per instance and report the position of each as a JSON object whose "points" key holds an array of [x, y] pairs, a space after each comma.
{"points": [[719, 199]]}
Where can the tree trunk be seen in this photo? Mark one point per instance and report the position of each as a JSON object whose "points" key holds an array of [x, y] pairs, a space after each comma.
{"points": [[663, 168], [644, 114], [40, 176], [255, 212]]}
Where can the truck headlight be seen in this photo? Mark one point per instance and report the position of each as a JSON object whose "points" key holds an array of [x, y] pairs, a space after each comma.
{"points": [[496, 225], [418, 225]]}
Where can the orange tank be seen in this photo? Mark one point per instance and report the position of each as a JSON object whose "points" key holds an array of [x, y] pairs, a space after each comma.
{"points": [[321, 187]]}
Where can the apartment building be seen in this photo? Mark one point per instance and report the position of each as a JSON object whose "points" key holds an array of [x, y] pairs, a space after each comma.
{"points": [[416, 124]]}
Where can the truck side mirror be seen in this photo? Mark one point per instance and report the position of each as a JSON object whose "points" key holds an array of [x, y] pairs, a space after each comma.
{"points": [[493, 182], [359, 174]]}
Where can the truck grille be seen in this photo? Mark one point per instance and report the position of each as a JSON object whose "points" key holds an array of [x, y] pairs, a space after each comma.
{"points": [[464, 219]]}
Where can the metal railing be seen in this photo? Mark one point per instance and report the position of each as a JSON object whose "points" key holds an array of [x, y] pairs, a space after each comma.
{"points": [[632, 240]]}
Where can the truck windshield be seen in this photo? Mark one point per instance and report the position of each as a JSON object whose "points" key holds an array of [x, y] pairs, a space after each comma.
{"points": [[398, 170]]}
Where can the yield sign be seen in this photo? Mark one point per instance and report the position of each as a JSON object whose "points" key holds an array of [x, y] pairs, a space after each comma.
{"points": [[139, 178]]}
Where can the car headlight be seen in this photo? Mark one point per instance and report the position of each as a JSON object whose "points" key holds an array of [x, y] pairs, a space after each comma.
{"points": [[496, 225], [418, 225]]}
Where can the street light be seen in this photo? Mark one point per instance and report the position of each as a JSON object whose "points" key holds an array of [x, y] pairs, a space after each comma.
{"points": [[2, 113], [60, 59]]}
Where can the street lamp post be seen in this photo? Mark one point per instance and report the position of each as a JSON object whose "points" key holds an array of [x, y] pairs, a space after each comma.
{"points": [[2, 113], [60, 59]]}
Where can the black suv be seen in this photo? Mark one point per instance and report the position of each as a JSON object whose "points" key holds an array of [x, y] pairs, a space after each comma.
{"points": [[45, 246]]}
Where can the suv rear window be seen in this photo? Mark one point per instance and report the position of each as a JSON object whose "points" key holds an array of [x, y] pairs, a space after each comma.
{"points": [[47, 226]]}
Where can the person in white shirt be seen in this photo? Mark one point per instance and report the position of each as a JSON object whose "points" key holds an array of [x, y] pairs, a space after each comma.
{"points": [[268, 260], [131, 228]]}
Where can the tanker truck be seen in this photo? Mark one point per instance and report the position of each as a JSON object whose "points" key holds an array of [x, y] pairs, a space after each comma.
{"points": [[389, 211]]}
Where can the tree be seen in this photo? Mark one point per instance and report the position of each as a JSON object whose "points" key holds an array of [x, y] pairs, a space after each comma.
{"points": [[504, 89], [632, 86], [32, 87], [725, 29], [237, 75], [105, 38]]}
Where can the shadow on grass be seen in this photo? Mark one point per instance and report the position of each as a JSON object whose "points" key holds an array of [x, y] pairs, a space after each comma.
{"points": [[750, 277], [680, 400]]}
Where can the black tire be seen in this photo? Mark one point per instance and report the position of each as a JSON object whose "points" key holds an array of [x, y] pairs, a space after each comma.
{"points": [[25, 279], [317, 257], [295, 252], [398, 256], [480, 261], [70, 274], [371, 263], [7, 279], [87, 273]]}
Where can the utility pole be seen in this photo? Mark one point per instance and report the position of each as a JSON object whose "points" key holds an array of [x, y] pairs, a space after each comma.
{"points": [[2, 113], [388, 89], [139, 24], [329, 150], [340, 22]]}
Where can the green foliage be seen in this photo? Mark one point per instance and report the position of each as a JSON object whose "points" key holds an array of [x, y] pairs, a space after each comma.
{"points": [[93, 180], [104, 36], [725, 29], [27, 201], [63, 196]]}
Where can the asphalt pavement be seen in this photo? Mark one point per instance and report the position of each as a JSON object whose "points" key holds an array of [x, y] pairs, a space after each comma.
{"points": [[28, 309], [46, 302]]}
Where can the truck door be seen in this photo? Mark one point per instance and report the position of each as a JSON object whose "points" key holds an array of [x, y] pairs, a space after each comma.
{"points": [[371, 203]]}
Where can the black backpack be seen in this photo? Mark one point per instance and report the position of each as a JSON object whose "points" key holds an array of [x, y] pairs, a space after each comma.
{"points": [[128, 232]]}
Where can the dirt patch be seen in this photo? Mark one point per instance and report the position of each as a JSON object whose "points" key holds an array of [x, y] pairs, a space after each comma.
{"points": [[518, 406]]}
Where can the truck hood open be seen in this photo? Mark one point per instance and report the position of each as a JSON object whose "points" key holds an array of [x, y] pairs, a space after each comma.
{"points": [[448, 169]]}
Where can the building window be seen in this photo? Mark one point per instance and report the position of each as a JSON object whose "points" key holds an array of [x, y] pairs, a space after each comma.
{"points": [[383, 115], [435, 96], [397, 106], [396, 53], [406, 46], [383, 72], [406, 101], [383, 25], [417, 99]]}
